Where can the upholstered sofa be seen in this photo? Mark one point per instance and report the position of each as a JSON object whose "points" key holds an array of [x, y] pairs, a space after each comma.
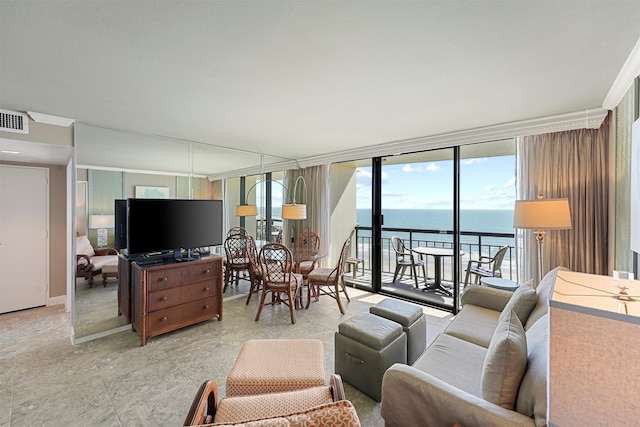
{"points": [[488, 368], [90, 262]]}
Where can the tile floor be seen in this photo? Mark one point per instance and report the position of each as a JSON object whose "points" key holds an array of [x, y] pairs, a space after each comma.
{"points": [[113, 381]]}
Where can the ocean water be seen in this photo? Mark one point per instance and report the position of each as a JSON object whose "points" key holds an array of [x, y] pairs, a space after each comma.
{"points": [[436, 220]]}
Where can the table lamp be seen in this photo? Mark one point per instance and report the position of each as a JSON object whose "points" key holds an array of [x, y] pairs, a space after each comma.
{"points": [[101, 223]]}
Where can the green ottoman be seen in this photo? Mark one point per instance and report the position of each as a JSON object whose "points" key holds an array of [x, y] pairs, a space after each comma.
{"points": [[413, 321], [365, 347]]}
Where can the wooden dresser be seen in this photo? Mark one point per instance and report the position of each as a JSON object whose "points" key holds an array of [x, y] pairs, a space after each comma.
{"points": [[174, 295]]}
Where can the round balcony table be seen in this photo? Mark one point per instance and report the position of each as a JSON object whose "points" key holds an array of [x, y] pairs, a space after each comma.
{"points": [[438, 255], [499, 283]]}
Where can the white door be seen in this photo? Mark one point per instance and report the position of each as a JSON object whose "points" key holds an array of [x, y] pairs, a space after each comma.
{"points": [[24, 241]]}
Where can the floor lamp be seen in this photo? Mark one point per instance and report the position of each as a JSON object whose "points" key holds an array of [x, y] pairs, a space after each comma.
{"points": [[539, 215]]}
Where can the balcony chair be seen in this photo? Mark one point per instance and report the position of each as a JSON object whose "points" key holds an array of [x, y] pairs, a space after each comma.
{"points": [[485, 266], [405, 258], [300, 406], [328, 281], [90, 262], [307, 248], [352, 263], [279, 279]]}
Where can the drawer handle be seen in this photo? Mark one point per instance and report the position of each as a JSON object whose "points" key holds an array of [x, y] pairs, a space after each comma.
{"points": [[206, 306], [207, 271], [164, 319], [205, 289], [163, 298], [164, 279]]}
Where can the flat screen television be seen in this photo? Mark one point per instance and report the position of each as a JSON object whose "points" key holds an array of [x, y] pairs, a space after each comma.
{"points": [[158, 225]]}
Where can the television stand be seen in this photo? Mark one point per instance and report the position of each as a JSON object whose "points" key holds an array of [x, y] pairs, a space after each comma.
{"points": [[173, 295]]}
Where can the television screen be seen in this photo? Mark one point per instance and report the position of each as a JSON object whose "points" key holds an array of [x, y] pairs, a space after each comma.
{"points": [[169, 224]]}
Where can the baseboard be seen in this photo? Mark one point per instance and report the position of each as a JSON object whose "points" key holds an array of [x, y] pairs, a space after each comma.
{"points": [[62, 299]]}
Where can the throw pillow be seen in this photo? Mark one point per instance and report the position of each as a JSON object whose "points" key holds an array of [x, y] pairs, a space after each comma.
{"points": [[505, 362], [83, 246], [522, 302]]}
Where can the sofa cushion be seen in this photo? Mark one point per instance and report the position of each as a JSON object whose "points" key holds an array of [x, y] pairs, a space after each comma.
{"points": [[474, 324], [543, 293], [522, 302], [505, 362], [532, 397], [454, 361], [83, 246], [338, 414]]}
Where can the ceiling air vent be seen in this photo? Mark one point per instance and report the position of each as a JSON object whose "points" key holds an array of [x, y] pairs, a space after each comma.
{"points": [[11, 121]]}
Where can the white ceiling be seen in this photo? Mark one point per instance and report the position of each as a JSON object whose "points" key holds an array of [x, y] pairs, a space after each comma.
{"points": [[298, 79]]}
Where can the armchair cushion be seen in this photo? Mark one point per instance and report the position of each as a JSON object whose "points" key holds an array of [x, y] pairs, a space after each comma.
{"points": [[83, 246], [505, 362], [338, 414], [252, 407]]}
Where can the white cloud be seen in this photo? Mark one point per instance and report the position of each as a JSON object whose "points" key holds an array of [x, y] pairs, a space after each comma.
{"points": [[408, 168], [490, 187], [474, 161], [432, 167], [511, 182]]}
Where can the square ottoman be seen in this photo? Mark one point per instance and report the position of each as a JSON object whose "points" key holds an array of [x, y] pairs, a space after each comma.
{"points": [[413, 321], [365, 347], [276, 365]]}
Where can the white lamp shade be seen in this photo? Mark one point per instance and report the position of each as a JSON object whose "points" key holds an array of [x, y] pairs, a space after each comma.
{"points": [[542, 214], [294, 211], [594, 341], [102, 221], [246, 210]]}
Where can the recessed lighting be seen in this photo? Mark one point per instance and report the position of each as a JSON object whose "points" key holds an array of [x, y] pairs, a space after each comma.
{"points": [[9, 152]]}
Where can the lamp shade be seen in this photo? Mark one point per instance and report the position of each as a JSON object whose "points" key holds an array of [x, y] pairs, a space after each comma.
{"points": [[594, 344], [102, 221], [542, 214], [294, 211], [246, 210]]}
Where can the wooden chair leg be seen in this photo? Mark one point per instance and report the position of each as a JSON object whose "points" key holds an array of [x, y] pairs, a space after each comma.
{"points": [[344, 289], [262, 298], [337, 291], [291, 304]]}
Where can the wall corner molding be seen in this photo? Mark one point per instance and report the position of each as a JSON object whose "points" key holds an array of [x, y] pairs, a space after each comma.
{"points": [[621, 85]]}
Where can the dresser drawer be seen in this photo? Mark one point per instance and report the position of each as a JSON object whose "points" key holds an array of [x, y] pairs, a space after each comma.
{"points": [[200, 271], [178, 295], [164, 278], [181, 315]]}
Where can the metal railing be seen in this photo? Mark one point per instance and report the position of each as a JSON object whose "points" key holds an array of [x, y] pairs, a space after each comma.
{"points": [[474, 244]]}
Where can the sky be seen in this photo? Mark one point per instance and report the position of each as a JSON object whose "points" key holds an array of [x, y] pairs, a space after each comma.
{"points": [[485, 183]]}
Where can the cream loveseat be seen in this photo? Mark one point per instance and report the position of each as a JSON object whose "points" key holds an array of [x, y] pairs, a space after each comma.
{"points": [[485, 369]]}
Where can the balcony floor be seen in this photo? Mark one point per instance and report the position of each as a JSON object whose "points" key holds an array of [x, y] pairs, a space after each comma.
{"points": [[404, 287]]}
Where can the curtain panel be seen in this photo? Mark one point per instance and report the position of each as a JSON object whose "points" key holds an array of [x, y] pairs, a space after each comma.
{"points": [[316, 196], [572, 165]]}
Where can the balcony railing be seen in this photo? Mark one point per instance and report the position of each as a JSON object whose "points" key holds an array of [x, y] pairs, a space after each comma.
{"points": [[472, 243]]}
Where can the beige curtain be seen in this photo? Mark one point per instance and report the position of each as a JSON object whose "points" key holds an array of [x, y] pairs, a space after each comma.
{"points": [[574, 165], [316, 196]]}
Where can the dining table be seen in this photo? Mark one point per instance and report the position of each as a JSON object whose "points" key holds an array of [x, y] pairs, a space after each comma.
{"points": [[438, 255]]}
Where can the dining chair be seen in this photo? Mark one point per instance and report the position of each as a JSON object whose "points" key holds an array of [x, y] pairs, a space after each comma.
{"points": [[237, 231], [485, 266], [330, 281], [307, 248], [279, 278], [237, 261], [255, 269], [405, 258]]}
